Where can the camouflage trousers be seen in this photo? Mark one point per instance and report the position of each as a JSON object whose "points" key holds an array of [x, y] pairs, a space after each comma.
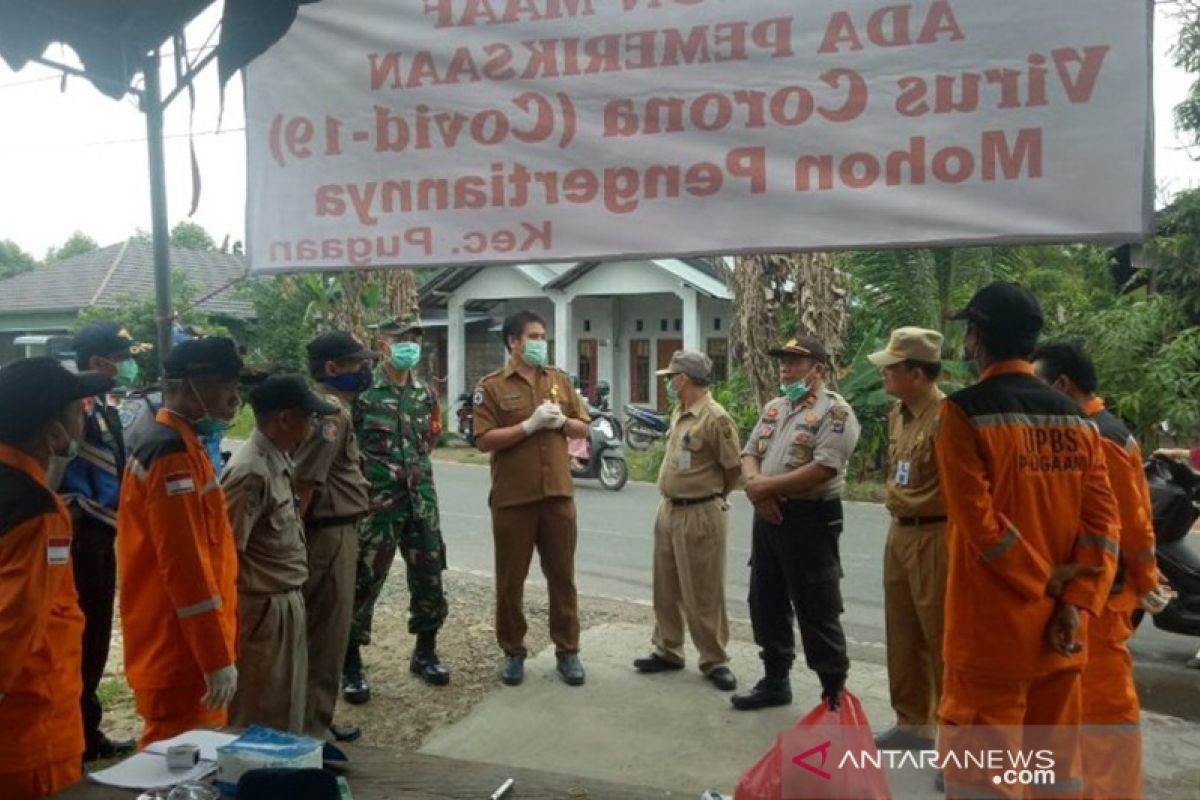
{"points": [[419, 542]]}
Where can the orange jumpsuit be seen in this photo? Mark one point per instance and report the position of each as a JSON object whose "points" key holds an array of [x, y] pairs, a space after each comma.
{"points": [[1026, 488], [41, 636], [177, 567], [1112, 756]]}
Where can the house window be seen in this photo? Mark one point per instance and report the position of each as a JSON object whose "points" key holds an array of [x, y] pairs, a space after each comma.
{"points": [[662, 325], [587, 326], [640, 326], [678, 325], [716, 323], [718, 351], [639, 371]]}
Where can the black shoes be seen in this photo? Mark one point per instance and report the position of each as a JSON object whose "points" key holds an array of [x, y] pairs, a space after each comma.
{"points": [[345, 733], [513, 672], [104, 748], [570, 670], [898, 738], [425, 661], [655, 663], [355, 688], [766, 693], [722, 678]]}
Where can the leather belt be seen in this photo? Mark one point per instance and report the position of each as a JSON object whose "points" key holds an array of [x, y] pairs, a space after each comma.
{"points": [[914, 522], [678, 502], [317, 523]]}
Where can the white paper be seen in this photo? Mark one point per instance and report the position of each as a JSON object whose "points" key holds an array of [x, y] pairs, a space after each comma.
{"points": [[207, 741], [149, 771]]}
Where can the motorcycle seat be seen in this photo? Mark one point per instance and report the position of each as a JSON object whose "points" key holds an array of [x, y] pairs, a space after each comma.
{"points": [[1180, 562]]}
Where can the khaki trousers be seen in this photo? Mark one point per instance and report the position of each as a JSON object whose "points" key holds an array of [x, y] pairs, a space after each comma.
{"points": [[272, 662], [328, 608], [547, 526], [914, 594], [689, 582]]}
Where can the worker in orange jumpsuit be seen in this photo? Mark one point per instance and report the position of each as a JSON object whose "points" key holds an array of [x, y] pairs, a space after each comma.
{"points": [[1031, 545], [1112, 755], [176, 556], [41, 626]]}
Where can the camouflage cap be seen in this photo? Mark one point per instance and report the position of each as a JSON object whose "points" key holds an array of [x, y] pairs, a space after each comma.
{"points": [[399, 323]]}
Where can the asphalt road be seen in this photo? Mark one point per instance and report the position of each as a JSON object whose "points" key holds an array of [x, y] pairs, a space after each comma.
{"points": [[614, 560]]}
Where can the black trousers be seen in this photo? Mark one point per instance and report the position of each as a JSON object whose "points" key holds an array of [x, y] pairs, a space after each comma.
{"points": [[94, 557], [795, 572]]}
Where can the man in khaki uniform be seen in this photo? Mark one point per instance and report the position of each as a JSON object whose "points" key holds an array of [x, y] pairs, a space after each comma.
{"points": [[914, 560], [334, 496], [699, 470], [795, 470], [272, 657], [524, 414]]}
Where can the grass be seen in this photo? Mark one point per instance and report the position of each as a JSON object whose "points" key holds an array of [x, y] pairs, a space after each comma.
{"points": [[113, 692], [243, 423]]}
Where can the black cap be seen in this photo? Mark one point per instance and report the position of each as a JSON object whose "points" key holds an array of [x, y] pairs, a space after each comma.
{"points": [[337, 345], [286, 393], [212, 356], [808, 346], [105, 339], [34, 391], [1006, 307]]}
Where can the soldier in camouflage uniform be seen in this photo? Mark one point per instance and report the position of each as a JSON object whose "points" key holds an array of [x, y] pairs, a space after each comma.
{"points": [[398, 421]]}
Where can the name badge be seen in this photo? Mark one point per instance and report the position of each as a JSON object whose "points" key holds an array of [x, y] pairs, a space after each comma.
{"points": [[902, 470], [684, 459]]}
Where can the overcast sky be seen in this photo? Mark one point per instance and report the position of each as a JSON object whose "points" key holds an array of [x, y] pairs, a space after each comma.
{"points": [[76, 160]]}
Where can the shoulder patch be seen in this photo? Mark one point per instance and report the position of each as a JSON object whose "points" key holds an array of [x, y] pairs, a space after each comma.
{"points": [[329, 431], [477, 398]]}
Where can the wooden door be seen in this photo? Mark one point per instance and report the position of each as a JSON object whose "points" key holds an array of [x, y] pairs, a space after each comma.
{"points": [[666, 349]]}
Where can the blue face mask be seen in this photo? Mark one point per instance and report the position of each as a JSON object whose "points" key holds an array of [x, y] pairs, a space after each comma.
{"points": [[405, 355], [355, 382], [794, 391], [534, 354]]}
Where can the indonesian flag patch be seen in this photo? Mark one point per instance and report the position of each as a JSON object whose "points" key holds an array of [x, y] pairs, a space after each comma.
{"points": [[179, 483], [58, 550]]}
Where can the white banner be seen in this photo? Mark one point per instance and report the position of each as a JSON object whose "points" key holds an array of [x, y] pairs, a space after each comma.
{"points": [[422, 132]]}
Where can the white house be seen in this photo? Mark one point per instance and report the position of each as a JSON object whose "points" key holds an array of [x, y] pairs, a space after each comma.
{"points": [[622, 320]]}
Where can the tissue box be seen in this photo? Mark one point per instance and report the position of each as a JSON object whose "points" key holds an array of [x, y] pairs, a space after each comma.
{"points": [[260, 748]]}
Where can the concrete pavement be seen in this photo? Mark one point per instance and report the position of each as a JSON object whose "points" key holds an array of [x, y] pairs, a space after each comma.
{"points": [[674, 731], [614, 561]]}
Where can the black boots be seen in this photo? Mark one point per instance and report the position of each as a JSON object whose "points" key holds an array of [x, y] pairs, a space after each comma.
{"points": [[355, 688], [832, 686], [770, 691], [425, 662]]}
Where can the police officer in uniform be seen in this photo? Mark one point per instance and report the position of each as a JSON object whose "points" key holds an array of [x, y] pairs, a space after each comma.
{"points": [[334, 498], [699, 470], [272, 657], [91, 487], [794, 466], [399, 421], [914, 560], [524, 414]]}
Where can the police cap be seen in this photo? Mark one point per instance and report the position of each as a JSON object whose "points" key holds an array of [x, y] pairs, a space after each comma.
{"points": [[287, 393]]}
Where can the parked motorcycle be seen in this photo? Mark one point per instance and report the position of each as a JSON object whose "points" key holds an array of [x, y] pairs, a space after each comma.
{"points": [[644, 426], [466, 417], [602, 407], [600, 456], [1175, 497]]}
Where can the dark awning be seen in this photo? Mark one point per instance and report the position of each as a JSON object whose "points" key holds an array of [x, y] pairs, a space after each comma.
{"points": [[113, 37]]}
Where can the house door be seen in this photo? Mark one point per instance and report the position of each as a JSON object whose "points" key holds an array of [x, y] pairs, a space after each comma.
{"points": [[587, 368], [666, 349]]}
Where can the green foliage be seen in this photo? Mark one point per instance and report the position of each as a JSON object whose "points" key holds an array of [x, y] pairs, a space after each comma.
{"points": [[645, 464], [1175, 252], [284, 324], [137, 316], [78, 244], [1148, 360], [1186, 54], [243, 423], [736, 397], [14, 260], [190, 236]]}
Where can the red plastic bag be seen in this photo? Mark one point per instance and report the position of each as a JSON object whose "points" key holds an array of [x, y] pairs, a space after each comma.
{"points": [[835, 748]]}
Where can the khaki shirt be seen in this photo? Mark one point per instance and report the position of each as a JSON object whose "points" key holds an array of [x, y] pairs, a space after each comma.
{"points": [[272, 555], [537, 467], [913, 487], [702, 445], [331, 460], [820, 429]]}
